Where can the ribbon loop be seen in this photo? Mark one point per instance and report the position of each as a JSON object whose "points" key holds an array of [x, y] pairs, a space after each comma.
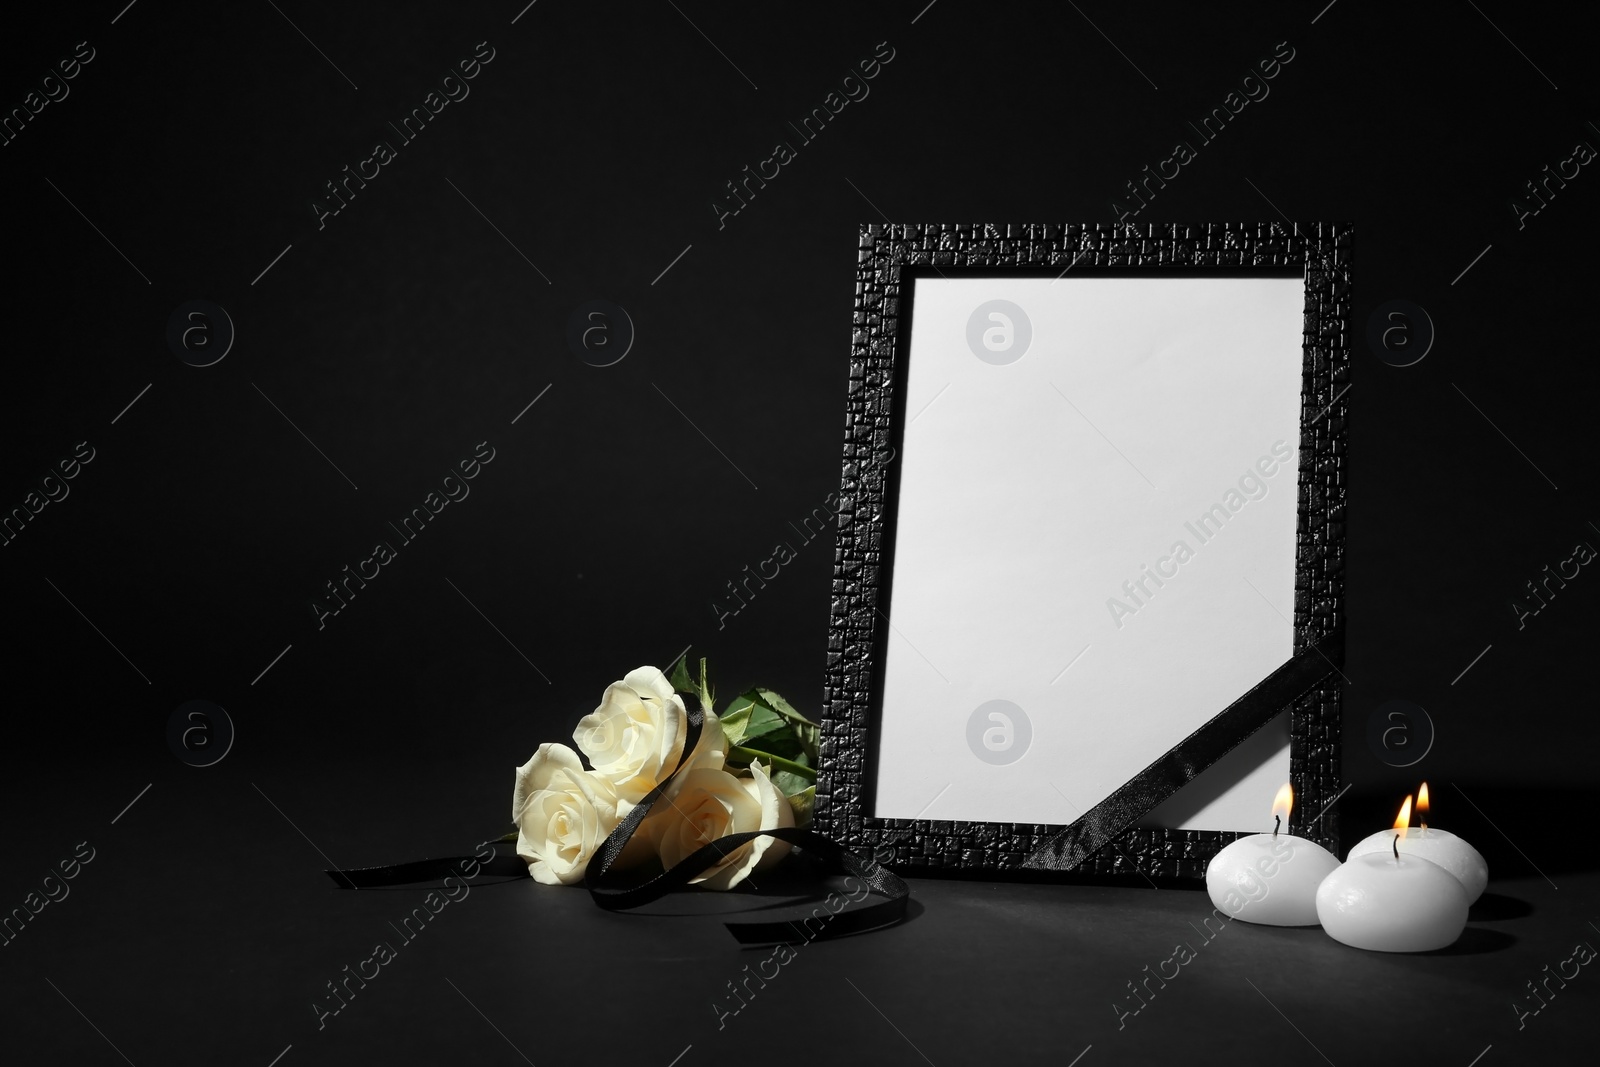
{"points": [[613, 893]]}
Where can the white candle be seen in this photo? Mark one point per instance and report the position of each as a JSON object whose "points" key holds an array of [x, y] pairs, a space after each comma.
{"points": [[1270, 879], [1440, 846], [1437, 846], [1391, 901]]}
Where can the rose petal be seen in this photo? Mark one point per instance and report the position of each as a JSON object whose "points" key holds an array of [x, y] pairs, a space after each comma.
{"points": [[565, 816]]}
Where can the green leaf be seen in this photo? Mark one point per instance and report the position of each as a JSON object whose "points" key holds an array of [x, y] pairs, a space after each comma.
{"points": [[807, 732], [680, 679], [790, 783], [774, 737], [782, 706], [763, 720], [810, 741], [683, 682], [759, 726], [708, 698], [734, 721], [802, 803]]}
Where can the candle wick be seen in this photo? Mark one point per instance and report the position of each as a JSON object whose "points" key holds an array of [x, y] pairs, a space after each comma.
{"points": [[1277, 821], [1397, 847]]}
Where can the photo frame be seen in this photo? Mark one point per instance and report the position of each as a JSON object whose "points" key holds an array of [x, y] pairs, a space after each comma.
{"points": [[1097, 382]]}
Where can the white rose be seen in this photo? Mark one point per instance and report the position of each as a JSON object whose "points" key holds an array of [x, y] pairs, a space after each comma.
{"points": [[563, 813], [713, 803], [635, 737]]}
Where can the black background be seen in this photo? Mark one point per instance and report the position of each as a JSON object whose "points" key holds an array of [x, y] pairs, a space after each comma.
{"points": [[410, 327]]}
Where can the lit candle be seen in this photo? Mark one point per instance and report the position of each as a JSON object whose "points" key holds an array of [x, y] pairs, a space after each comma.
{"points": [[1392, 901], [1440, 846], [1271, 878]]}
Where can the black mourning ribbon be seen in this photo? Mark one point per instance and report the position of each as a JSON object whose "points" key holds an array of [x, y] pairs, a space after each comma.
{"points": [[1180, 764], [614, 892]]}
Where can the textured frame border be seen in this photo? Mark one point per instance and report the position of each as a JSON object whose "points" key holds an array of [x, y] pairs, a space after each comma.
{"points": [[858, 629]]}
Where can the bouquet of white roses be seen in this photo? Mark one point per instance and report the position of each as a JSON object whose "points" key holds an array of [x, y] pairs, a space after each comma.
{"points": [[753, 768]]}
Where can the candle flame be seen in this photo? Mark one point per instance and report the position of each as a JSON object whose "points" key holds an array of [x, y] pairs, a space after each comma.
{"points": [[1422, 805], [1403, 820], [1283, 803]]}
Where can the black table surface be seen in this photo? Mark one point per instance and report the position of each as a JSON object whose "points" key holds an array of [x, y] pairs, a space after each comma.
{"points": [[203, 930]]}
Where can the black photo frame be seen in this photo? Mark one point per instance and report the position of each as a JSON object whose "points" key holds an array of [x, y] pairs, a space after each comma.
{"points": [[1104, 842]]}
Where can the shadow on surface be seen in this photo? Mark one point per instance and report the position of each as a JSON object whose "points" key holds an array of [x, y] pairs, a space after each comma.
{"points": [[1476, 941], [1497, 907]]}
